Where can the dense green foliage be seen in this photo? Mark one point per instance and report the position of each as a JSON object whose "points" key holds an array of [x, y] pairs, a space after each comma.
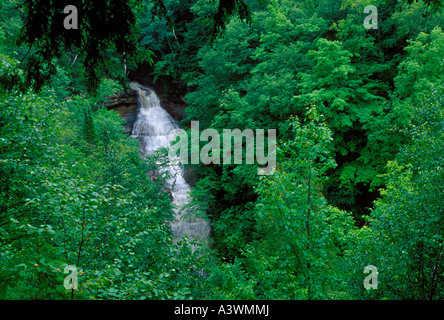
{"points": [[359, 176], [73, 192]]}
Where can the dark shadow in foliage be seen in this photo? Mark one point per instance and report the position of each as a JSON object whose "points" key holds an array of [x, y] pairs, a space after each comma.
{"points": [[103, 25]]}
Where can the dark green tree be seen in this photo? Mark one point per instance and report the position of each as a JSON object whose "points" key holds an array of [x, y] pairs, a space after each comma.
{"points": [[404, 236], [88, 127], [303, 237], [105, 26]]}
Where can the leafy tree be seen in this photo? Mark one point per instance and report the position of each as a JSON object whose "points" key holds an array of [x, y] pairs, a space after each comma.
{"points": [[108, 32], [404, 237], [435, 4], [303, 237], [247, 81], [104, 25], [421, 69], [349, 102], [75, 191], [64, 205]]}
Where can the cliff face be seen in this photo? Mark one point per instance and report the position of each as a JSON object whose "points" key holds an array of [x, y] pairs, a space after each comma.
{"points": [[126, 105], [170, 92]]}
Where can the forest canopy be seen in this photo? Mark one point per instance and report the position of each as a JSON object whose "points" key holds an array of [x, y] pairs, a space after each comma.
{"points": [[358, 182]]}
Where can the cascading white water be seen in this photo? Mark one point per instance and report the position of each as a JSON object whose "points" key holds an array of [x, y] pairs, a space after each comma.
{"points": [[152, 127]]}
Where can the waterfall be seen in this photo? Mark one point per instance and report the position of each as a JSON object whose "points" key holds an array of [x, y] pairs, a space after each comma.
{"points": [[152, 128]]}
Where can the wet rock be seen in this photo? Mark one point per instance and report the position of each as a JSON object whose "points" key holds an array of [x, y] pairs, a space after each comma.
{"points": [[125, 104]]}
